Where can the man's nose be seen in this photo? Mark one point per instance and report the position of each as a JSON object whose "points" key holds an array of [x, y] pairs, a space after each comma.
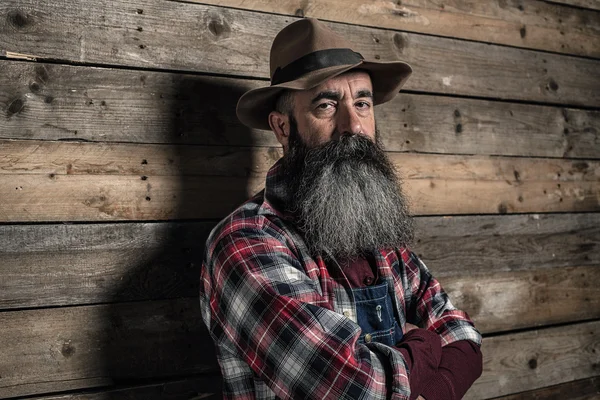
{"points": [[348, 121]]}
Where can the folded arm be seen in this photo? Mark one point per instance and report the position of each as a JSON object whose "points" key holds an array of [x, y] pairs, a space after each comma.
{"points": [[431, 309], [258, 301]]}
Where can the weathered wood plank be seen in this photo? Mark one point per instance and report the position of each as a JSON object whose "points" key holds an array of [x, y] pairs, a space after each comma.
{"points": [[585, 389], [102, 263], [194, 37], [530, 24], [71, 348], [508, 243], [536, 359], [497, 301], [591, 4], [79, 347], [61, 158], [31, 198], [47, 101], [60, 181], [524, 299], [204, 387]]}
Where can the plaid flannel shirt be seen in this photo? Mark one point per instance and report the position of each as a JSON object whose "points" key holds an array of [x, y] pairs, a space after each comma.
{"points": [[283, 328]]}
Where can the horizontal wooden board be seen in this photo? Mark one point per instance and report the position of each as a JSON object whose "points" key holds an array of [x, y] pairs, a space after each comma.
{"points": [[526, 23], [591, 4], [100, 263], [60, 158], [506, 272], [62, 349], [513, 300], [536, 359], [94, 263], [194, 37], [72, 348], [204, 387], [59, 181], [58, 102], [585, 389]]}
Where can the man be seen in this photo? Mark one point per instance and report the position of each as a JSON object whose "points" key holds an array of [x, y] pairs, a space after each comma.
{"points": [[308, 289]]}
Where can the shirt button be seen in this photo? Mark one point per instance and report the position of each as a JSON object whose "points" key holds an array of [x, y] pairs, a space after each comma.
{"points": [[347, 314], [368, 280], [368, 338]]}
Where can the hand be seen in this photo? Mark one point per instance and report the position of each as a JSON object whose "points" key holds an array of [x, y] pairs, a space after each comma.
{"points": [[420, 397], [409, 327]]}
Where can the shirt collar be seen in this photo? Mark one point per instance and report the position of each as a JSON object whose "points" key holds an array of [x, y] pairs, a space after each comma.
{"points": [[276, 192]]}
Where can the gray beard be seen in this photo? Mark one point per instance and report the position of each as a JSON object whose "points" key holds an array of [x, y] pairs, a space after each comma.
{"points": [[345, 196]]}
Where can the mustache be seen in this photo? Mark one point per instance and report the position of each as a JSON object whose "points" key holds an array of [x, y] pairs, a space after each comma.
{"points": [[348, 151]]}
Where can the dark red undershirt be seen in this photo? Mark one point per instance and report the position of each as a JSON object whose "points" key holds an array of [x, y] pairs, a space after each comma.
{"points": [[435, 372]]}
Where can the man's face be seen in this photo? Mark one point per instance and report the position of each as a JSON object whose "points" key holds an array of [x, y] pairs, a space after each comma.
{"points": [[343, 190], [342, 105]]}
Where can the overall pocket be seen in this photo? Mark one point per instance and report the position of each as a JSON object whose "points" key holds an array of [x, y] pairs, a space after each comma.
{"points": [[375, 315]]}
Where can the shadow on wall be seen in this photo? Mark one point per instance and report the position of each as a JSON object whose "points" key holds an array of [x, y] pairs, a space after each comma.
{"points": [[163, 338]]}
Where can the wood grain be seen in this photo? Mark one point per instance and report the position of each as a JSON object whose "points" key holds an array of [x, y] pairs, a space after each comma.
{"points": [[60, 181], [58, 102], [514, 300], [70, 348], [193, 37], [205, 387], [507, 243], [502, 270], [585, 389], [536, 359], [100, 263], [530, 24], [591, 4], [77, 347]]}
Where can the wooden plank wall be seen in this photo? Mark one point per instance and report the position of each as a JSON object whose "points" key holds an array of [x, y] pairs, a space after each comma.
{"points": [[120, 149]]}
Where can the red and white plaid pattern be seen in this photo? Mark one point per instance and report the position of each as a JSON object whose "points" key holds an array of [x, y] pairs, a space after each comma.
{"points": [[283, 328]]}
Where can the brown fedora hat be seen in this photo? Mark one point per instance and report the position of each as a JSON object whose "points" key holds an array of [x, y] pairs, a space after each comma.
{"points": [[307, 53]]}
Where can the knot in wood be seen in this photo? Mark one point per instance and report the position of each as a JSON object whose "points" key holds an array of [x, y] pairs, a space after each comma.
{"points": [[219, 27], [399, 42], [67, 349], [15, 107], [523, 31], [34, 87], [552, 85], [18, 19], [533, 363]]}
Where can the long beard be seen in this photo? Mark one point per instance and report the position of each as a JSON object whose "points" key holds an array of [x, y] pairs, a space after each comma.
{"points": [[346, 196]]}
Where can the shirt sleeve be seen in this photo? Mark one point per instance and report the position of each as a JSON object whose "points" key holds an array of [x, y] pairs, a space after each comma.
{"points": [[460, 366], [429, 307], [257, 300], [422, 370]]}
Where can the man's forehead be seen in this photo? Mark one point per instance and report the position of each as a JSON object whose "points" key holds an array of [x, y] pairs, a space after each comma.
{"points": [[353, 78], [356, 81]]}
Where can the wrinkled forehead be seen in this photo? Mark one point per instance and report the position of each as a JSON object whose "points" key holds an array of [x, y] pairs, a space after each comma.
{"points": [[354, 80], [353, 84]]}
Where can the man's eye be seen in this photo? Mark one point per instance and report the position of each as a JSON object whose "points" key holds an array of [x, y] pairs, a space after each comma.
{"points": [[363, 104], [325, 106]]}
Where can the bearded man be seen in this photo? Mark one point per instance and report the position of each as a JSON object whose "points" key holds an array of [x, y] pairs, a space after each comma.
{"points": [[309, 289]]}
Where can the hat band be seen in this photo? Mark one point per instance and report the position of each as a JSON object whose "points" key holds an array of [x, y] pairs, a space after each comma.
{"points": [[314, 61]]}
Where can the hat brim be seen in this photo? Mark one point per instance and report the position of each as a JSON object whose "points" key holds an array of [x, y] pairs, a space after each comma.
{"points": [[254, 107]]}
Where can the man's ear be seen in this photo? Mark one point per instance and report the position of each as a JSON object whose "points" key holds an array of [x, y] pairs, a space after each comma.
{"points": [[280, 125]]}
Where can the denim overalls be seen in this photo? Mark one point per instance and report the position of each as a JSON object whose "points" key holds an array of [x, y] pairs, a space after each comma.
{"points": [[375, 315]]}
